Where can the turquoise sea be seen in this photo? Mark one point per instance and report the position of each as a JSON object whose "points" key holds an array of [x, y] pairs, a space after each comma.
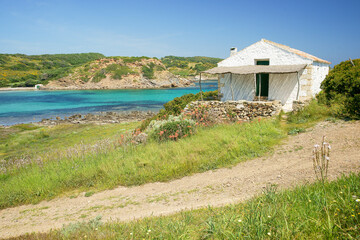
{"points": [[32, 106]]}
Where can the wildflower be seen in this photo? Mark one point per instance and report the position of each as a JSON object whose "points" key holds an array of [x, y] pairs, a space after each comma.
{"points": [[239, 220], [269, 233], [131, 233], [149, 230], [357, 200], [309, 200], [269, 216]]}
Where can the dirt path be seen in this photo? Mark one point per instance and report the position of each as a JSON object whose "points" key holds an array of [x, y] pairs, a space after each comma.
{"points": [[289, 165]]}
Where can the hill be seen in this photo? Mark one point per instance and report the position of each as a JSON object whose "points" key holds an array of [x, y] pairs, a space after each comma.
{"points": [[189, 66], [118, 73], [19, 70], [95, 71]]}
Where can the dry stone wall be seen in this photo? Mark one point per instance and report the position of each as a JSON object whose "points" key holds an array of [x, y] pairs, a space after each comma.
{"points": [[236, 110]]}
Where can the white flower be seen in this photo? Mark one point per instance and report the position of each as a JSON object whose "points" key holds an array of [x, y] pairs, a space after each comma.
{"points": [[316, 146], [269, 216], [149, 230], [269, 233], [357, 200], [239, 220], [131, 233]]}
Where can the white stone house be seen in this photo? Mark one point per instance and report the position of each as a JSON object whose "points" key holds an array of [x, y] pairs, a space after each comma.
{"points": [[270, 71]]}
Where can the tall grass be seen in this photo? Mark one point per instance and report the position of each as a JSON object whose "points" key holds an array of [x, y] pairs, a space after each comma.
{"points": [[314, 112], [210, 148], [291, 214]]}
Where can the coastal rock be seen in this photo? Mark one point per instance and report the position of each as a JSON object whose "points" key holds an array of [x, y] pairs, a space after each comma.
{"points": [[101, 118]]}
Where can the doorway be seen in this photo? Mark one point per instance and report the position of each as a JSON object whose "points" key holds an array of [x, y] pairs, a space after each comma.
{"points": [[262, 82]]}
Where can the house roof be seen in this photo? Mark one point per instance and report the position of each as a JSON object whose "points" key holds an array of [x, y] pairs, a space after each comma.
{"points": [[298, 52], [257, 69]]}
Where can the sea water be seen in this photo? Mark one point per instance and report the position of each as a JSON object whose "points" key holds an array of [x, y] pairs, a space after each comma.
{"points": [[32, 106]]}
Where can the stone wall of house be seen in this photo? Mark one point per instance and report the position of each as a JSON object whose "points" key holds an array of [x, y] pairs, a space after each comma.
{"points": [[306, 83], [236, 110]]}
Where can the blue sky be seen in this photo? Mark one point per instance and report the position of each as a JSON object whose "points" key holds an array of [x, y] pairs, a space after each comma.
{"points": [[327, 29]]}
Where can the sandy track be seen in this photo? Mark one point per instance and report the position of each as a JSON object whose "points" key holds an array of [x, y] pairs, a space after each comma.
{"points": [[289, 165]]}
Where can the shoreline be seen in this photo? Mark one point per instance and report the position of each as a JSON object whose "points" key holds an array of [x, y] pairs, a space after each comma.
{"points": [[19, 89], [79, 88], [98, 118]]}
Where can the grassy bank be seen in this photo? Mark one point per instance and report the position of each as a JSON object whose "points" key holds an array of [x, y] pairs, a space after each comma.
{"points": [[30, 140], [316, 211], [107, 166]]}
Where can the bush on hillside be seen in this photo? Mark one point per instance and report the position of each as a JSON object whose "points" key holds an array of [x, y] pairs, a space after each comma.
{"points": [[148, 71], [341, 88], [117, 71]]}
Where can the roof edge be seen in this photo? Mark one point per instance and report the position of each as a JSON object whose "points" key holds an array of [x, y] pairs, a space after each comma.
{"points": [[296, 51]]}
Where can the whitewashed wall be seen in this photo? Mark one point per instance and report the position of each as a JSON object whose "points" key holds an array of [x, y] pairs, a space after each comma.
{"points": [[319, 72], [263, 50], [283, 87], [243, 87]]}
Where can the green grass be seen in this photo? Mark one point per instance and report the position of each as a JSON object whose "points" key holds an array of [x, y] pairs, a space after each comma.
{"points": [[106, 167], [306, 212], [31, 140], [297, 122]]}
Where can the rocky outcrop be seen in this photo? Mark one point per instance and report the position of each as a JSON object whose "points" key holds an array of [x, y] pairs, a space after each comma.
{"points": [[236, 110], [87, 76], [104, 118]]}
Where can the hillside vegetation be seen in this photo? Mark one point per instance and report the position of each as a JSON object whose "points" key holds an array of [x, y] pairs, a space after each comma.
{"points": [[20, 70], [189, 66], [341, 89], [88, 70]]}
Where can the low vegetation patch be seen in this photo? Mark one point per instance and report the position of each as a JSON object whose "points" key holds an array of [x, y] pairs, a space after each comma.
{"points": [[176, 106], [314, 112], [106, 165], [92, 158], [290, 214]]}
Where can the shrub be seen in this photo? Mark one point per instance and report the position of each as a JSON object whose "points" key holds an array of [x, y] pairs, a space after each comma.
{"points": [[342, 86], [175, 106], [172, 129], [202, 115], [99, 75], [117, 71], [148, 71]]}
